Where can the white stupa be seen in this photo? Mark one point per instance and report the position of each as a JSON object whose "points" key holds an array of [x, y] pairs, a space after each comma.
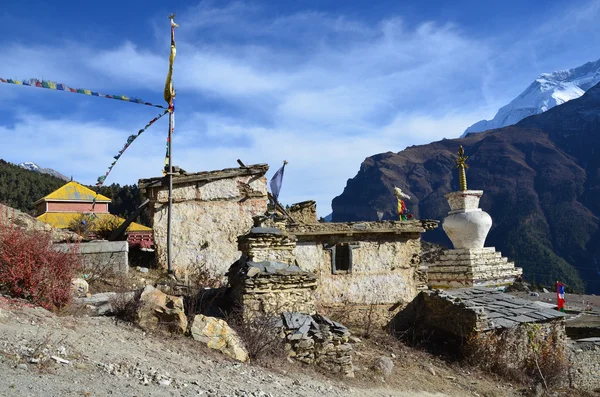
{"points": [[470, 263]]}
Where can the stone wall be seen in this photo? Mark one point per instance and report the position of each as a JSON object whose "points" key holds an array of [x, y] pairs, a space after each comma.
{"points": [[102, 256], [260, 247], [494, 331], [384, 269], [209, 212], [584, 371], [275, 293]]}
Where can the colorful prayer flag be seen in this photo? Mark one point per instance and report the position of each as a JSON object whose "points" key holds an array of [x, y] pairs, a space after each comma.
{"points": [[560, 296], [63, 87]]}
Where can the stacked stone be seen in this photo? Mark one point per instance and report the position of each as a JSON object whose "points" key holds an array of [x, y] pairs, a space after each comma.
{"points": [[265, 278], [268, 244], [479, 267], [318, 340], [304, 212], [277, 287]]}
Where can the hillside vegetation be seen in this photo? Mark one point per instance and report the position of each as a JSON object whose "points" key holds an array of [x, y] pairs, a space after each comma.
{"points": [[20, 188]]}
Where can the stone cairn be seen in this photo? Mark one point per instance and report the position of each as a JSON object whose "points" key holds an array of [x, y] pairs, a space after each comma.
{"points": [[266, 278], [318, 340], [469, 263]]}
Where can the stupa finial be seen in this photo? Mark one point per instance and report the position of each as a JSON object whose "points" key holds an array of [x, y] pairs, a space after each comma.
{"points": [[462, 166]]}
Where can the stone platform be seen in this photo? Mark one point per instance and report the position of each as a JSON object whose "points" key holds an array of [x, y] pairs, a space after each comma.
{"points": [[475, 267]]}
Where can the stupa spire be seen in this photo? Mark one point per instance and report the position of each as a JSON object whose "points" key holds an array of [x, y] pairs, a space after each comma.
{"points": [[462, 166]]}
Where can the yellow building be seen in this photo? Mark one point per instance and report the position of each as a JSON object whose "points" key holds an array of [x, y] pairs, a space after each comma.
{"points": [[64, 207]]}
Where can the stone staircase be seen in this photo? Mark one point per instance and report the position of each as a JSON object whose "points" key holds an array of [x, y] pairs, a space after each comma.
{"points": [[461, 268]]}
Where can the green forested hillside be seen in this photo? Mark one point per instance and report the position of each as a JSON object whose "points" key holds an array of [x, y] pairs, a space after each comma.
{"points": [[20, 188]]}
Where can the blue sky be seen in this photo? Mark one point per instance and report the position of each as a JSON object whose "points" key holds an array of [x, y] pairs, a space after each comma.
{"points": [[322, 84]]}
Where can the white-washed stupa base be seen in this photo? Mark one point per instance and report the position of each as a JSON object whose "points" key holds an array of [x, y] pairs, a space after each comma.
{"points": [[475, 267]]}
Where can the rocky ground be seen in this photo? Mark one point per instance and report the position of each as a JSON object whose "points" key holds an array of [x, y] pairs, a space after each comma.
{"points": [[44, 354]]}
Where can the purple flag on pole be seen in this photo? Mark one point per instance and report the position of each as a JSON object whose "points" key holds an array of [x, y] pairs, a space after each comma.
{"points": [[276, 182]]}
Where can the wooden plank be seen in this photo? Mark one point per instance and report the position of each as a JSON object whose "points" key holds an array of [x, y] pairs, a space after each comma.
{"points": [[207, 176], [118, 232]]}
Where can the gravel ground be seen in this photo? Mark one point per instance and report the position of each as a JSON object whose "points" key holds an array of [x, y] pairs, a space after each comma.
{"points": [[42, 354]]}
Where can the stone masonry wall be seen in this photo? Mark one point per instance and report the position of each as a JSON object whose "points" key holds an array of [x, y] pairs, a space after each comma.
{"points": [[383, 270], [276, 293], [584, 369], [266, 247], [102, 256], [207, 219]]}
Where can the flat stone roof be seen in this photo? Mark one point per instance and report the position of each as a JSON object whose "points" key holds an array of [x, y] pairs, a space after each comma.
{"points": [[497, 309], [352, 228], [204, 176]]}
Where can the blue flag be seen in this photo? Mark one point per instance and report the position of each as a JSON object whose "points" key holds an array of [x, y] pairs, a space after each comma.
{"points": [[276, 181]]}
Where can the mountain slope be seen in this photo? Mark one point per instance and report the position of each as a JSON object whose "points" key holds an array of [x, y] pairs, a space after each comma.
{"points": [[547, 91], [31, 166], [20, 188], [541, 182]]}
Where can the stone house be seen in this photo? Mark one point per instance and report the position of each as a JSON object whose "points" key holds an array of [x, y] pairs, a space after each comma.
{"points": [[66, 204], [363, 265], [210, 210]]}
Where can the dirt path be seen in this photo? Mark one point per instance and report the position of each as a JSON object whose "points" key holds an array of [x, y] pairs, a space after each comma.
{"points": [[108, 359]]}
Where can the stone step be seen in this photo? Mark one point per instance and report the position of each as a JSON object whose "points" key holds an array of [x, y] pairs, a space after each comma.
{"points": [[471, 262], [470, 267], [463, 258], [473, 275]]}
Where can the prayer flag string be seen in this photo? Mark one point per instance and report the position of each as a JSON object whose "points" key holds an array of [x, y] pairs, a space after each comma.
{"points": [[130, 140], [62, 87]]}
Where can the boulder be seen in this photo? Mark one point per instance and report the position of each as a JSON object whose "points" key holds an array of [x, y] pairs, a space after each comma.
{"points": [[79, 286], [11, 216], [218, 335], [161, 310], [384, 365]]}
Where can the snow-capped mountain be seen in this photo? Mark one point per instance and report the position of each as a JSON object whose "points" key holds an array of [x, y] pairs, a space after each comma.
{"points": [[31, 166], [547, 91]]}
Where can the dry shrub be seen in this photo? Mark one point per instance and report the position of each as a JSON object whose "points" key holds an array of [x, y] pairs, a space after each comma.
{"points": [[32, 269], [83, 225], [364, 320], [125, 306], [106, 225], [528, 354], [261, 333], [90, 225], [205, 294]]}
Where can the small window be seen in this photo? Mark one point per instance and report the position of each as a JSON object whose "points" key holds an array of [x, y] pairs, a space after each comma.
{"points": [[341, 259]]}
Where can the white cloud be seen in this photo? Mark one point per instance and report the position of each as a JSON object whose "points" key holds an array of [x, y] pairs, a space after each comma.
{"points": [[322, 91]]}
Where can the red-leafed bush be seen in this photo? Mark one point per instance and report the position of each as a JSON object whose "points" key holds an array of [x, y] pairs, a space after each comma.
{"points": [[31, 268]]}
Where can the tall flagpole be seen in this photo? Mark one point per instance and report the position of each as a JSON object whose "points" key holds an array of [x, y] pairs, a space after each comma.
{"points": [[169, 95]]}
